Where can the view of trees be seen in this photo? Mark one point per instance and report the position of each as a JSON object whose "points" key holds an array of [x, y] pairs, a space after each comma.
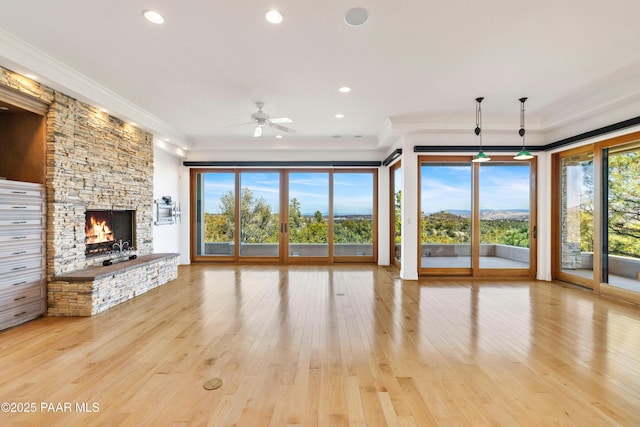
{"points": [[448, 228], [397, 206], [260, 225], [624, 204]]}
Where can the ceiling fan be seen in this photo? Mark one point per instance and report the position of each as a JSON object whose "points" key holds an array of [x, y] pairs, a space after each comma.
{"points": [[260, 118]]}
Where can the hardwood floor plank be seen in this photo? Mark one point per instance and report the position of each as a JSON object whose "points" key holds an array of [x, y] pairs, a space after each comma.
{"points": [[331, 345]]}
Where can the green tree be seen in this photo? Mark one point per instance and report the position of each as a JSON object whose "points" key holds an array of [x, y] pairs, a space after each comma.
{"points": [[624, 203], [397, 214], [257, 222]]}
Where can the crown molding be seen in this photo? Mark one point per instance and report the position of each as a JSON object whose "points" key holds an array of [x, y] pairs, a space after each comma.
{"points": [[22, 57]]}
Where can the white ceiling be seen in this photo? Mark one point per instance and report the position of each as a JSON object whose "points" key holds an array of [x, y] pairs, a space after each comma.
{"points": [[415, 66]]}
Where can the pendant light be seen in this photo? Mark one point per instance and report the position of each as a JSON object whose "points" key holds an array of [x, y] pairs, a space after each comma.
{"points": [[481, 156], [523, 154]]}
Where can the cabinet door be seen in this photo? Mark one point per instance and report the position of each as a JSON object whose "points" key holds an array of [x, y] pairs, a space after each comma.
{"points": [[23, 294], [19, 280]]}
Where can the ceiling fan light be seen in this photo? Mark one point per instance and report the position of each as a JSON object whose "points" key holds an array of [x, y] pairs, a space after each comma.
{"points": [[273, 16], [153, 16]]}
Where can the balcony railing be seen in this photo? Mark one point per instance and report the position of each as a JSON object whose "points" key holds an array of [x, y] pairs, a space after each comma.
{"points": [[295, 249]]}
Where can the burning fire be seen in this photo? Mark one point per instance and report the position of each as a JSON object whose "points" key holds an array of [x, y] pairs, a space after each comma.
{"points": [[98, 232]]}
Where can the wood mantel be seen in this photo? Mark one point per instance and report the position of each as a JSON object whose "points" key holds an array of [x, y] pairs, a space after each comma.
{"points": [[101, 271]]}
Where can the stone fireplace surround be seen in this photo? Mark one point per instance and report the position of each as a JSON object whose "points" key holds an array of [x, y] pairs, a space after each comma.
{"points": [[93, 161]]}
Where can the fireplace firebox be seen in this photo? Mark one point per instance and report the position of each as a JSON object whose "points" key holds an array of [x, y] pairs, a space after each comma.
{"points": [[104, 228]]}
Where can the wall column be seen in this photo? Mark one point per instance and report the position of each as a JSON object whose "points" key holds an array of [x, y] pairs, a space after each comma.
{"points": [[409, 246]]}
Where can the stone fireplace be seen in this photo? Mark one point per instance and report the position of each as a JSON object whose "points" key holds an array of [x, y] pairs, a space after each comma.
{"points": [[94, 161], [104, 228]]}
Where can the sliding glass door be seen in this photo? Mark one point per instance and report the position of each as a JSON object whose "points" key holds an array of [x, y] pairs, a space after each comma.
{"points": [[316, 216], [576, 198], [477, 218], [621, 220], [354, 208], [504, 191], [259, 214], [396, 214], [308, 223], [597, 216], [445, 216], [214, 214]]}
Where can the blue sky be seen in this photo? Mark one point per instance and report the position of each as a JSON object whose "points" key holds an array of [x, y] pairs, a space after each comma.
{"points": [[353, 192], [448, 187]]}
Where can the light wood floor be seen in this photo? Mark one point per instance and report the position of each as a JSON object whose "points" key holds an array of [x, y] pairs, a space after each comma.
{"points": [[324, 346]]}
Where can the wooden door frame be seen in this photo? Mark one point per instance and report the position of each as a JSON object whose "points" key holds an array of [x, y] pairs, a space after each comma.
{"points": [[283, 257], [392, 213], [475, 270]]}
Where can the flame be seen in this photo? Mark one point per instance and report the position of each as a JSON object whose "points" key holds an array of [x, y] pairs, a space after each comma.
{"points": [[98, 232]]}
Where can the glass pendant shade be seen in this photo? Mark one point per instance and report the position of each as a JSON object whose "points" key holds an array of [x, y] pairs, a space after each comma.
{"points": [[481, 157], [523, 155]]}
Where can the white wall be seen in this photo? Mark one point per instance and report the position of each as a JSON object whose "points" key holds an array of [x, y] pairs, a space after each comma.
{"points": [[166, 182], [384, 256]]}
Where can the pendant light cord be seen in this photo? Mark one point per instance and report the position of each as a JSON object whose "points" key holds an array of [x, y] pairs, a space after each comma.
{"points": [[478, 129], [521, 132]]}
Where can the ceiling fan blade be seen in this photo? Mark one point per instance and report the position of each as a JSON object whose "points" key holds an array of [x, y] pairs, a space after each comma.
{"points": [[282, 128], [280, 120], [258, 132], [238, 124]]}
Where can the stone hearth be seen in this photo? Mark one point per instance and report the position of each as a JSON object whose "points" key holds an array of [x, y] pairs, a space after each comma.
{"points": [[94, 290]]}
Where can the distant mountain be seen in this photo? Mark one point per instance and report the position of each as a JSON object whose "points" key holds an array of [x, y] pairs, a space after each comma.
{"points": [[512, 214], [490, 214]]}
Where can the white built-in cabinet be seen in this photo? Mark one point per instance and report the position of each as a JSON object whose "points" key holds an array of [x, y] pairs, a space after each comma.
{"points": [[23, 286]]}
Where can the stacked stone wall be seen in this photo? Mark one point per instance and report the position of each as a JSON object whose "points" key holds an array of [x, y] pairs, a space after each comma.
{"points": [[93, 161]]}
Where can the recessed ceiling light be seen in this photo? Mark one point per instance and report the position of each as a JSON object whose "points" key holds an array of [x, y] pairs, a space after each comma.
{"points": [[279, 136], [339, 116], [153, 16], [31, 76], [344, 89], [356, 16], [273, 16]]}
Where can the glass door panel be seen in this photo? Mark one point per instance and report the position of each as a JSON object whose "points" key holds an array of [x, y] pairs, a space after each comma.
{"points": [[396, 214], [445, 215], [308, 214], [505, 215], [215, 214], [621, 246], [353, 210], [259, 214], [576, 217]]}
